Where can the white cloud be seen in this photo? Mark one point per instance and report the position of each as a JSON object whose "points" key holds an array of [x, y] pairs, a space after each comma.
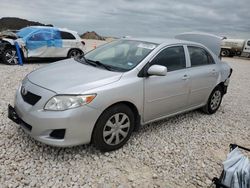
{"points": [[157, 18]]}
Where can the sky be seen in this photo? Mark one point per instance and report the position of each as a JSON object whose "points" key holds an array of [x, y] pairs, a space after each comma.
{"points": [[137, 18]]}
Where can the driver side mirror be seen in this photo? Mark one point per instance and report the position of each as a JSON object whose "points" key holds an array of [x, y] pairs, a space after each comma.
{"points": [[157, 70]]}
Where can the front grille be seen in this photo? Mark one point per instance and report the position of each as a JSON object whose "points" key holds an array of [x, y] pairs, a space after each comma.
{"points": [[31, 98]]}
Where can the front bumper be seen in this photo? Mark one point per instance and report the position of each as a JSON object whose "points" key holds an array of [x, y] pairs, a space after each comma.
{"points": [[15, 118], [77, 123]]}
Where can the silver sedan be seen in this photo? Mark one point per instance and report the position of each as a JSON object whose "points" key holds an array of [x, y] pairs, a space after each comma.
{"points": [[102, 97]]}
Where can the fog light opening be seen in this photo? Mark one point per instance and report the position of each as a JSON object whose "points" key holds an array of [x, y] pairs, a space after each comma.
{"points": [[57, 134]]}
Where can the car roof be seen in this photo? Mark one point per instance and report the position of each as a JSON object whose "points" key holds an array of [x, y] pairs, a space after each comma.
{"points": [[48, 27], [164, 41]]}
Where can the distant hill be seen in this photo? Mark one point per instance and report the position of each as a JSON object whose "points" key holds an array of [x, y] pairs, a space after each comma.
{"points": [[91, 35], [12, 23]]}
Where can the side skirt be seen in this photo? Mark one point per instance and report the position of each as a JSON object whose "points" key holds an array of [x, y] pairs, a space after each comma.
{"points": [[173, 114]]}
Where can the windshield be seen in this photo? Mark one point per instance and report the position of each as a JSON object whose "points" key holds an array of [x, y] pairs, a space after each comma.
{"points": [[25, 31], [122, 55]]}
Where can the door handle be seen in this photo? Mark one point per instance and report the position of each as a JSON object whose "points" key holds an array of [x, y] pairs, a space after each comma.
{"points": [[185, 77]]}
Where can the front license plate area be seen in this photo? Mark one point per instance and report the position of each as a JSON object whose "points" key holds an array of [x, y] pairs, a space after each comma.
{"points": [[13, 115]]}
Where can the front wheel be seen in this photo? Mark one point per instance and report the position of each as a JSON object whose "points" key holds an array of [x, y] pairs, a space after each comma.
{"points": [[214, 101], [113, 128], [9, 56]]}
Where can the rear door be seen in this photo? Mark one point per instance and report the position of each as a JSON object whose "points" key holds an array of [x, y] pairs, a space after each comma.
{"points": [[68, 42], [203, 75], [55, 45], [61, 44]]}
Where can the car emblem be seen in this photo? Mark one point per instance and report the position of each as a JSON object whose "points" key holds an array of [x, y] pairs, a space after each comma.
{"points": [[24, 90]]}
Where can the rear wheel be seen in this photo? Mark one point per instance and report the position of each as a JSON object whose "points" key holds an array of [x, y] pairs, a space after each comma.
{"points": [[113, 128], [74, 53], [214, 101], [9, 56]]}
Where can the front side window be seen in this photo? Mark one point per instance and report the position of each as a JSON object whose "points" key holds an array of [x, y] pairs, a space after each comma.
{"points": [[173, 58], [123, 55], [41, 36], [248, 43], [199, 56]]}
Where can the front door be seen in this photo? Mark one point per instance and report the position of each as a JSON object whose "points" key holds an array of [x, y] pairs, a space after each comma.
{"points": [[165, 95], [39, 44]]}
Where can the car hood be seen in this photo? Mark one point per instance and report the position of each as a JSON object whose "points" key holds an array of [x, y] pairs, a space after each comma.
{"points": [[71, 77]]}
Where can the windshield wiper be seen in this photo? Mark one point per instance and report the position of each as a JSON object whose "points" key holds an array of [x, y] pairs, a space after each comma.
{"points": [[82, 59], [92, 62], [99, 64]]}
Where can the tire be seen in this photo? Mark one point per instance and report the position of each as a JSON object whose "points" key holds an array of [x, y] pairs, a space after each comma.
{"points": [[224, 53], [9, 56], [214, 101], [74, 53], [108, 136]]}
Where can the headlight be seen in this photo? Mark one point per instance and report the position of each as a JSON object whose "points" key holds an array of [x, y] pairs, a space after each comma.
{"points": [[64, 102]]}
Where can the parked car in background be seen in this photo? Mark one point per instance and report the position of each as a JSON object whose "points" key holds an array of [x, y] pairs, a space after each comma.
{"points": [[235, 47], [102, 97], [41, 42]]}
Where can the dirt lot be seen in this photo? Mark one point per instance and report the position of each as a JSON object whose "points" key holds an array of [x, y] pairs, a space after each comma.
{"points": [[183, 151]]}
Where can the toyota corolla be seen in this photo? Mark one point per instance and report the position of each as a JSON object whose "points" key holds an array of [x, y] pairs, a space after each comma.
{"points": [[102, 97]]}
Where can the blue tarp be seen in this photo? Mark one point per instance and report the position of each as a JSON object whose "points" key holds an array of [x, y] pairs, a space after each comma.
{"points": [[26, 31], [35, 37], [20, 61]]}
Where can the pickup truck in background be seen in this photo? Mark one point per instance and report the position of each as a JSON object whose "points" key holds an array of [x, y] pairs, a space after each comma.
{"points": [[235, 47]]}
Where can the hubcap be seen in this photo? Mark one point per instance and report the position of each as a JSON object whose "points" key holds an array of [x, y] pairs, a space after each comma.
{"points": [[116, 129], [224, 53], [74, 53], [215, 100], [11, 57]]}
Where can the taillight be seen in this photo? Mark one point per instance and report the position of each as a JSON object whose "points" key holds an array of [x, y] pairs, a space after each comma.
{"points": [[83, 43]]}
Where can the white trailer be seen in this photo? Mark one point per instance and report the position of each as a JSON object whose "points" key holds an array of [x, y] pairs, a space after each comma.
{"points": [[235, 47]]}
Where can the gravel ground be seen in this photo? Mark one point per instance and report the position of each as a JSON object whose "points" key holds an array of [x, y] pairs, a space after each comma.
{"points": [[183, 151]]}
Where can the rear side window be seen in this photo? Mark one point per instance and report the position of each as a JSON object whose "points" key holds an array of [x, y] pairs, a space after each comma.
{"points": [[248, 43], [67, 36], [199, 56], [173, 58]]}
